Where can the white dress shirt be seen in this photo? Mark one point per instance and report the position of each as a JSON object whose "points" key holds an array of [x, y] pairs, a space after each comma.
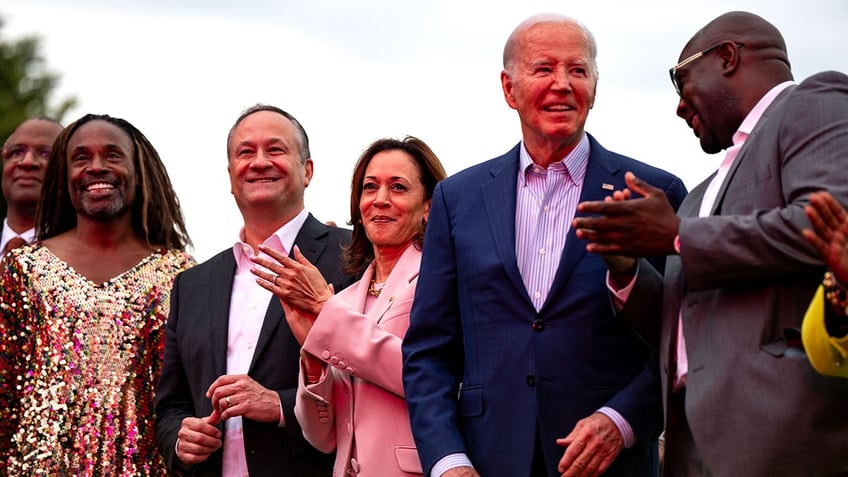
{"points": [[248, 305], [9, 234]]}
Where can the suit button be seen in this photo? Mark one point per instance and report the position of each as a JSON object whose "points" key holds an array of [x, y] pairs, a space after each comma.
{"points": [[531, 380], [538, 325]]}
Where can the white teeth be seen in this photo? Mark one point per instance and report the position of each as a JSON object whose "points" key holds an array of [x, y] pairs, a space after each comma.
{"points": [[558, 107], [99, 186]]}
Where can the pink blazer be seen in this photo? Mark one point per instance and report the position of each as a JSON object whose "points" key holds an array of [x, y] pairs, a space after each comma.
{"points": [[360, 396]]}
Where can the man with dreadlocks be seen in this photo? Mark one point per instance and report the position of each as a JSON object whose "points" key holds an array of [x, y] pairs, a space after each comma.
{"points": [[83, 309]]}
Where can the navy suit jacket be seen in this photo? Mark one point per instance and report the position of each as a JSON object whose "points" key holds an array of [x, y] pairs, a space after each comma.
{"points": [[196, 355], [484, 373]]}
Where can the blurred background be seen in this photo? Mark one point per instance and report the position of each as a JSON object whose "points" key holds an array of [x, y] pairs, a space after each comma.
{"points": [[353, 72]]}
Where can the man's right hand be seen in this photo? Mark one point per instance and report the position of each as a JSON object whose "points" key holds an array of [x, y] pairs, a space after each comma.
{"points": [[461, 472], [198, 438]]}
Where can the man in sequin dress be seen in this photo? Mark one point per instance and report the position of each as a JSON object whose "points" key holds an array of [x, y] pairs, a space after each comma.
{"points": [[25, 155], [83, 309], [225, 402]]}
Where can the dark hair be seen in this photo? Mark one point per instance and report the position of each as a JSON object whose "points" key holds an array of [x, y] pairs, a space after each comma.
{"points": [[157, 218], [302, 138], [361, 251]]}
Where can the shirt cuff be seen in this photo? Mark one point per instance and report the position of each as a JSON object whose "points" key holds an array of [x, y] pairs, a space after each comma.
{"points": [[282, 422], [621, 423], [450, 461]]}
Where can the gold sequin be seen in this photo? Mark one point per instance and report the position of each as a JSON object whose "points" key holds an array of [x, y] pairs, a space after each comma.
{"points": [[78, 365]]}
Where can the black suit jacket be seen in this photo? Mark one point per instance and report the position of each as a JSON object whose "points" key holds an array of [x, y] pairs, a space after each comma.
{"points": [[196, 355]]}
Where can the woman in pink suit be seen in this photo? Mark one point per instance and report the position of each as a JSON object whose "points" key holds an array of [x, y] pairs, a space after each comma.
{"points": [[350, 397]]}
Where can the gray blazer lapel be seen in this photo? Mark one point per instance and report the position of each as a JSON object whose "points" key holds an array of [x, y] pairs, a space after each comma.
{"points": [[743, 151]]}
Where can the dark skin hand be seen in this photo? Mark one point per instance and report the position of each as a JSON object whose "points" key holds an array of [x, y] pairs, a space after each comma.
{"points": [[829, 233], [639, 227]]}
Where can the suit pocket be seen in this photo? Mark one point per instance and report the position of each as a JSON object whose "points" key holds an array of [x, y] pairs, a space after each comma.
{"points": [[471, 401], [408, 461], [787, 345]]}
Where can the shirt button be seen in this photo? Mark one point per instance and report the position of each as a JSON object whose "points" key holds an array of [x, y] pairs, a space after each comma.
{"points": [[541, 251], [538, 325], [537, 295], [531, 380]]}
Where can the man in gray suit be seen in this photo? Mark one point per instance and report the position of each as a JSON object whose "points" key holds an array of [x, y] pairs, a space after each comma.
{"points": [[740, 397], [225, 400]]}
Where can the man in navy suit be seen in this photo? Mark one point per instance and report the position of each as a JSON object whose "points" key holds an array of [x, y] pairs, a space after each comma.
{"points": [[225, 399], [515, 363]]}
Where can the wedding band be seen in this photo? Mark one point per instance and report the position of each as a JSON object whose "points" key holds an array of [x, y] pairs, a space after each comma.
{"points": [[228, 402], [275, 280]]}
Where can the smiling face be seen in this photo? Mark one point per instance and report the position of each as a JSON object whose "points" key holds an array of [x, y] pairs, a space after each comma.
{"points": [[393, 201], [706, 103], [551, 83], [25, 157], [101, 171], [266, 171]]}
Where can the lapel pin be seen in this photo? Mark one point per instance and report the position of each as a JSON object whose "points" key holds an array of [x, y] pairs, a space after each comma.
{"points": [[606, 186]]}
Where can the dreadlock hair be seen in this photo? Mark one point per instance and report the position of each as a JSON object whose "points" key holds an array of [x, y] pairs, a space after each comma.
{"points": [[157, 218]]}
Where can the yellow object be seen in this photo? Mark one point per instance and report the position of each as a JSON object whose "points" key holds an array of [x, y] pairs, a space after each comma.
{"points": [[827, 354]]}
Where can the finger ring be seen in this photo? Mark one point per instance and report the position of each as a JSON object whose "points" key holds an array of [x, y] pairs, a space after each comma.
{"points": [[275, 280], [229, 403]]}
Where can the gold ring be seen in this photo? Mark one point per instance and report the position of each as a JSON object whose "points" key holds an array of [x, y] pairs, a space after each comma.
{"points": [[228, 402], [275, 280]]}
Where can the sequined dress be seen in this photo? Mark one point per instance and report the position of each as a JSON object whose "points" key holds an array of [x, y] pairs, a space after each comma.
{"points": [[78, 365]]}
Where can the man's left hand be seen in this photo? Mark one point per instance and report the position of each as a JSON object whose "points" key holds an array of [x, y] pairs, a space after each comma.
{"points": [[591, 447], [638, 227]]}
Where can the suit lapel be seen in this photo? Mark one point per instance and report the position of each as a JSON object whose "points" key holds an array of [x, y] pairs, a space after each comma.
{"points": [[220, 287], [740, 156], [311, 242], [404, 272], [500, 201], [599, 171]]}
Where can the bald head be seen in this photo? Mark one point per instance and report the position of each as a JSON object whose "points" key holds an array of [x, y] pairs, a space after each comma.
{"points": [[761, 40]]}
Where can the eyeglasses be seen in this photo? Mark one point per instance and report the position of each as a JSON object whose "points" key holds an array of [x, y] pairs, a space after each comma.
{"points": [[675, 80], [17, 153]]}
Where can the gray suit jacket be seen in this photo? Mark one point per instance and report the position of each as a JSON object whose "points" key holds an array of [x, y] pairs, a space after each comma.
{"points": [[743, 280], [196, 355]]}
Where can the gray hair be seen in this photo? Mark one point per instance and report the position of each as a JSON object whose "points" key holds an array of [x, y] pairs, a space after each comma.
{"points": [[512, 41]]}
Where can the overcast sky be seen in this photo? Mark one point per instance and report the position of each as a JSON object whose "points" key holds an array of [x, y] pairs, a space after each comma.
{"points": [[355, 71]]}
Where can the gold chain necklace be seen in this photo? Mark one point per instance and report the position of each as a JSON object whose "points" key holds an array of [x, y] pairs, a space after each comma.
{"points": [[373, 290]]}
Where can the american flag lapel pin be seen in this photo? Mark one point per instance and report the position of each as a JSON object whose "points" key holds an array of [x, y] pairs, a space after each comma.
{"points": [[606, 186]]}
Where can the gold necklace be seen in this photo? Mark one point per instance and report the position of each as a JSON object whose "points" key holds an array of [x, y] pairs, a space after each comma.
{"points": [[372, 290]]}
